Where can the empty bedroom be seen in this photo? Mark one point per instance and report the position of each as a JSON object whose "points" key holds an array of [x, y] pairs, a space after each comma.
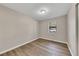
{"points": [[38, 29]]}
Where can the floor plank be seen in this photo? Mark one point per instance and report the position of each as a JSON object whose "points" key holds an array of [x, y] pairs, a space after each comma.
{"points": [[40, 47]]}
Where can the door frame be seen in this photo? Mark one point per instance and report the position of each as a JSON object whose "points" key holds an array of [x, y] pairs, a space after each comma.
{"points": [[77, 27]]}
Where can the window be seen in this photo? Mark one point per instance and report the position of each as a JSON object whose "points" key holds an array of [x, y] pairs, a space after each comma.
{"points": [[52, 27]]}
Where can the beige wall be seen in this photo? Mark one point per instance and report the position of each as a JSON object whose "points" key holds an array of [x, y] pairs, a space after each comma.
{"points": [[15, 29], [60, 35], [72, 40]]}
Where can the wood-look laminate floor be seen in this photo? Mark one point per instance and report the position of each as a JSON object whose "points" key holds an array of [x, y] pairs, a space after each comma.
{"points": [[40, 47]]}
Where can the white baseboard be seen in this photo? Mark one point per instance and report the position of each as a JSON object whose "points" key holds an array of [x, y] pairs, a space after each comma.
{"points": [[70, 50], [54, 40], [17, 46]]}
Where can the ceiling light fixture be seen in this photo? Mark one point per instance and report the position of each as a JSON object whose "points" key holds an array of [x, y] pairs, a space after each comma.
{"points": [[42, 11]]}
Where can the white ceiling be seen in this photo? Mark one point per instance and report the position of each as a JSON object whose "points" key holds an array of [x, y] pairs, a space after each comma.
{"points": [[32, 9]]}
